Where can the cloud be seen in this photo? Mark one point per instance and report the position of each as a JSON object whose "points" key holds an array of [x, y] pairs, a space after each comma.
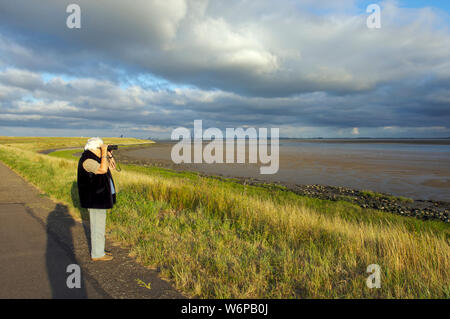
{"points": [[279, 52], [87, 102], [162, 64]]}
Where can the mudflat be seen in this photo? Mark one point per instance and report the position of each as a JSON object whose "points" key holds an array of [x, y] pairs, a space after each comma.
{"points": [[418, 169]]}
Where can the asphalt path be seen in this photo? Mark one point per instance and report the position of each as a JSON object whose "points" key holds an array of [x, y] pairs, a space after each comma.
{"points": [[42, 247]]}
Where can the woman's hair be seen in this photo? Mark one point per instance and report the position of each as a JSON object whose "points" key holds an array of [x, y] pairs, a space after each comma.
{"points": [[93, 143]]}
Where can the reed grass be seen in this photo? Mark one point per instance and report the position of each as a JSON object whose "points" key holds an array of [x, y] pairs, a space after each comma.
{"points": [[220, 239]]}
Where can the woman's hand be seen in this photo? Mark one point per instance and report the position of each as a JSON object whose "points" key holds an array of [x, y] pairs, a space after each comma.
{"points": [[112, 162]]}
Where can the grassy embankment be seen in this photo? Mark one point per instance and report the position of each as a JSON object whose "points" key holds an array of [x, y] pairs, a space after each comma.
{"points": [[216, 238], [44, 143]]}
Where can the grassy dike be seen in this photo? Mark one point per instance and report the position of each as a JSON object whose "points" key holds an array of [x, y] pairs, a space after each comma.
{"points": [[220, 239], [43, 143]]}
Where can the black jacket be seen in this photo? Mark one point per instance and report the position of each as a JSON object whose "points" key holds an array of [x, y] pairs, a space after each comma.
{"points": [[94, 189]]}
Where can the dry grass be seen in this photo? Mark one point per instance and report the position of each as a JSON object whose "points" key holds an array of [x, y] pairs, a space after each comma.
{"points": [[220, 239]]}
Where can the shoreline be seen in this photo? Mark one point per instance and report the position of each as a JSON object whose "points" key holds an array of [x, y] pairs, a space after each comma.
{"points": [[418, 208], [424, 141]]}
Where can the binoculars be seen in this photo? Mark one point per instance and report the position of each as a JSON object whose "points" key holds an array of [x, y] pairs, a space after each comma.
{"points": [[112, 147]]}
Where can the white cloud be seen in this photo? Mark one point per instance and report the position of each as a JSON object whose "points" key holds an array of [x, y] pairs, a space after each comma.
{"points": [[257, 48]]}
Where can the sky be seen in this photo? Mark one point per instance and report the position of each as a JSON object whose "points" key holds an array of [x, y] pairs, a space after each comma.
{"points": [[142, 68]]}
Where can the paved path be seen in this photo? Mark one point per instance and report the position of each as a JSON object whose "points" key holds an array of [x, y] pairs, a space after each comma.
{"points": [[39, 239]]}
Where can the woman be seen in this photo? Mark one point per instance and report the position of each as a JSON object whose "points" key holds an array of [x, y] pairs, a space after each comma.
{"points": [[97, 192]]}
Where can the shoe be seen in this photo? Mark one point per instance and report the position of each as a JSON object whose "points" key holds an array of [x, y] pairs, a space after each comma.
{"points": [[108, 253], [104, 258]]}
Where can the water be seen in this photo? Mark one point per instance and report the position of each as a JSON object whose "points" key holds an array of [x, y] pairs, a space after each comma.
{"points": [[411, 168], [420, 171]]}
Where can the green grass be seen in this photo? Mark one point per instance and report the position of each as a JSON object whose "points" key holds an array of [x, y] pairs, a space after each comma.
{"points": [[44, 143], [67, 154], [389, 197], [217, 238]]}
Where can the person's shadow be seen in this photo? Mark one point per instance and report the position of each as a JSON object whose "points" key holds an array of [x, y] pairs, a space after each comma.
{"points": [[64, 272], [84, 213]]}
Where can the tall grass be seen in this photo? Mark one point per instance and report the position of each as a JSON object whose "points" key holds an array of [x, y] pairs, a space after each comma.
{"points": [[221, 239]]}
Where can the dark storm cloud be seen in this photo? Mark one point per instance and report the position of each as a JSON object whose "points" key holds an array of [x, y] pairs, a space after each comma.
{"points": [[256, 64]]}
